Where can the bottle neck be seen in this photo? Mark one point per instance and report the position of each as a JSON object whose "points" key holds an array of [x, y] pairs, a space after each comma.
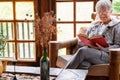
{"points": [[45, 52]]}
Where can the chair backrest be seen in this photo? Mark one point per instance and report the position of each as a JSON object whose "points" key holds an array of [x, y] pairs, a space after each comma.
{"points": [[93, 15]]}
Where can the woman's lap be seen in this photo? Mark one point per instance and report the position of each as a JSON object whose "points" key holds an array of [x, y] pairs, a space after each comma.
{"points": [[90, 55]]}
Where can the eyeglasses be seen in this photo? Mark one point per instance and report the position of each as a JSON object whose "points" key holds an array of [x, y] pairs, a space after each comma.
{"points": [[103, 12]]}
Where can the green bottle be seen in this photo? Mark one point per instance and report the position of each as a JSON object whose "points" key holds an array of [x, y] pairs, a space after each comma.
{"points": [[44, 65]]}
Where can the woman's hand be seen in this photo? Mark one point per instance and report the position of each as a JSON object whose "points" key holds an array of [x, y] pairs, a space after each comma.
{"points": [[96, 47], [99, 46]]}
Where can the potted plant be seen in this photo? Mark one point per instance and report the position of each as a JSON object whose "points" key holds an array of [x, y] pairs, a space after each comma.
{"points": [[2, 46]]}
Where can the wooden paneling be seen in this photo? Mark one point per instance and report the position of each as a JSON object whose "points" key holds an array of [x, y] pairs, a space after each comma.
{"points": [[45, 6]]}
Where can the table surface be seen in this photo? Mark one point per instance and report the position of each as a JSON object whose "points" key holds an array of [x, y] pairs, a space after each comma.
{"points": [[66, 74]]}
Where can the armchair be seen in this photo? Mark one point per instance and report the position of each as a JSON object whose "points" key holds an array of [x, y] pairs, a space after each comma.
{"points": [[108, 71]]}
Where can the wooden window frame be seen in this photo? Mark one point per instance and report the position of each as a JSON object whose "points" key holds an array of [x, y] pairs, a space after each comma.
{"points": [[14, 21]]}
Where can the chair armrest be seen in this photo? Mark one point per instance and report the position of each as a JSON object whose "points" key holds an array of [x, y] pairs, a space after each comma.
{"points": [[54, 46]]}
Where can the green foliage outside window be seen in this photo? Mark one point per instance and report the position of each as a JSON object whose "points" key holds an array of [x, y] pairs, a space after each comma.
{"points": [[2, 42], [116, 6]]}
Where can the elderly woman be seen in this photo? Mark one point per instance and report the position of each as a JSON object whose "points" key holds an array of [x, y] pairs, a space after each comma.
{"points": [[106, 26]]}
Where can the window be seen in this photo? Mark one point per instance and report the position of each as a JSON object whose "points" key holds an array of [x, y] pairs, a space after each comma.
{"points": [[16, 22], [71, 15], [116, 8]]}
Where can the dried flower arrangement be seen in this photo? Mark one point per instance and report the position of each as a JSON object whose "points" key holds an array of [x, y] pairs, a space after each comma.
{"points": [[46, 28]]}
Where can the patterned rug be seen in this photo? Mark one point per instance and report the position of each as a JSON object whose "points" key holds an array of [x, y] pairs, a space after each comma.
{"points": [[9, 76]]}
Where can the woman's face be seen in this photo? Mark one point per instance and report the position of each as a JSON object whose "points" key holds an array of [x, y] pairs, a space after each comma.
{"points": [[104, 14]]}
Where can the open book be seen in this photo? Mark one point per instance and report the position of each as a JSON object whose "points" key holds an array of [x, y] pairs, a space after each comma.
{"points": [[93, 40]]}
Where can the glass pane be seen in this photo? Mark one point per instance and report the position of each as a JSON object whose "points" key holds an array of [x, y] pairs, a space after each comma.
{"points": [[26, 9], [81, 27], [62, 51], [64, 11], [25, 31], [26, 50], [7, 29], [65, 31], [116, 6], [83, 11], [6, 11], [9, 50]]}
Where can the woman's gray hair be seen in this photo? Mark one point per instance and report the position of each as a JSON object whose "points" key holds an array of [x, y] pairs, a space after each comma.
{"points": [[106, 3]]}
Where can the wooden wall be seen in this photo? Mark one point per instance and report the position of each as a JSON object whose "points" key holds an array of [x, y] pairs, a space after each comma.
{"points": [[43, 6], [46, 6]]}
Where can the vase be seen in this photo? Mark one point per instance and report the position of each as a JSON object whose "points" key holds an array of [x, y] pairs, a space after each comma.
{"points": [[44, 65]]}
